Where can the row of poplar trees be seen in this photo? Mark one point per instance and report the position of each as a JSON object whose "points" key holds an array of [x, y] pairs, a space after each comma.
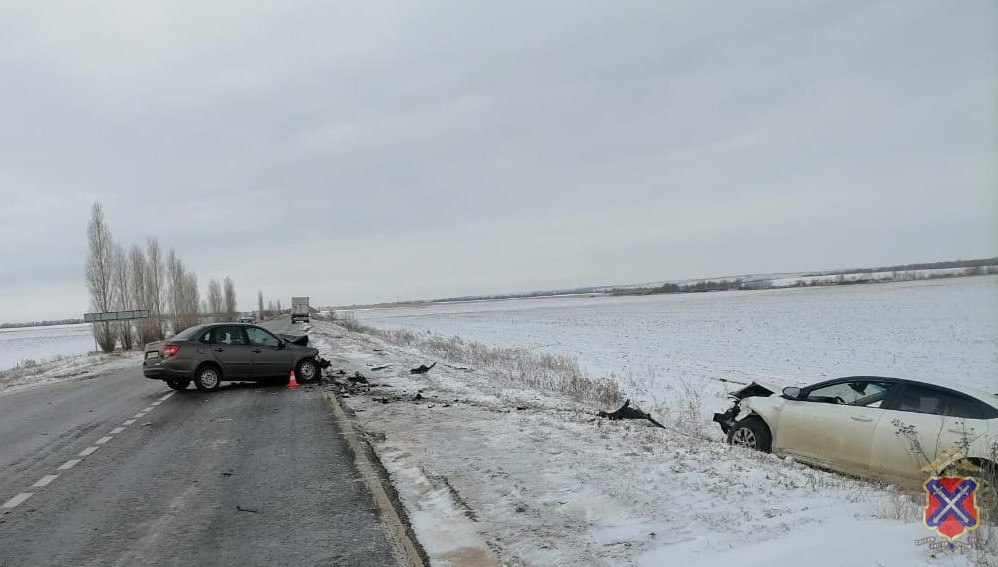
{"points": [[142, 278]]}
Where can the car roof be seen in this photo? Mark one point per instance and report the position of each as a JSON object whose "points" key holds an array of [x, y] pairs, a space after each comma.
{"points": [[984, 396]]}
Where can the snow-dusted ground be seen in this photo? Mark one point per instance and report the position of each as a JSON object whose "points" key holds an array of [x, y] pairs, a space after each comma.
{"points": [[526, 478], [945, 330], [66, 369], [43, 343]]}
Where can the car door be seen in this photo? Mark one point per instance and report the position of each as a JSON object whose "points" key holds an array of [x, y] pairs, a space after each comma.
{"points": [[833, 425], [920, 423], [231, 350], [271, 357]]}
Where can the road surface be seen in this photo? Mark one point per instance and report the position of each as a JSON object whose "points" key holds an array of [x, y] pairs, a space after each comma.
{"points": [[120, 470]]}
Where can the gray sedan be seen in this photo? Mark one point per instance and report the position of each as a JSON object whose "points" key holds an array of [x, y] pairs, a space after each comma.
{"points": [[208, 354]]}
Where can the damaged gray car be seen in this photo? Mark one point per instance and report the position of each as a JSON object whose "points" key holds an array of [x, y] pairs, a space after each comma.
{"points": [[871, 426]]}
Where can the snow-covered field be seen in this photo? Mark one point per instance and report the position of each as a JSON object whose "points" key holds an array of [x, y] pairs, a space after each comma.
{"points": [[526, 478], [43, 343], [944, 330]]}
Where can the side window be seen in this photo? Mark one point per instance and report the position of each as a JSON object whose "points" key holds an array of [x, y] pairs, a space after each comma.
{"points": [[228, 336], [918, 399], [958, 405], [259, 337], [860, 393]]}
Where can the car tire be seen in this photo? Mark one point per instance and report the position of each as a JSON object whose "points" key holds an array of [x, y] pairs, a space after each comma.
{"points": [[308, 371], [208, 378], [179, 383], [751, 433]]}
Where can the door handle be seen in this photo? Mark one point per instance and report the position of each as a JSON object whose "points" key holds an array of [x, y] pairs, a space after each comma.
{"points": [[257, 350], [219, 350], [860, 418]]}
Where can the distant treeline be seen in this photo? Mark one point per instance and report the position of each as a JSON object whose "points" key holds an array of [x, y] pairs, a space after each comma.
{"points": [[888, 274], [40, 323]]}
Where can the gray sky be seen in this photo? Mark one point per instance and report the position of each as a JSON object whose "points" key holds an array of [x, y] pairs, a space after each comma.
{"points": [[375, 151]]}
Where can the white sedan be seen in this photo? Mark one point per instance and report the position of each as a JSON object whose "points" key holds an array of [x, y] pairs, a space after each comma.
{"points": [[871, 426]]}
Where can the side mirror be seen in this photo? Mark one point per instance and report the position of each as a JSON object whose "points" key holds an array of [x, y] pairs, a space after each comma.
{"points": [[281, 345], [791, 392]]}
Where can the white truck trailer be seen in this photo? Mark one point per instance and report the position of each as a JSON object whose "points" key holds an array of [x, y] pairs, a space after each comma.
{"points": [[299, 309]]}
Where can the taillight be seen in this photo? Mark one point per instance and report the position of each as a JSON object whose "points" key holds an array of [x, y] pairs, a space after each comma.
{"points": [[170, 350]]}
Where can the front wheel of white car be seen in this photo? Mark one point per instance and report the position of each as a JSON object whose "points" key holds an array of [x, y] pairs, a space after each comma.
{"points": [[751, 433]]}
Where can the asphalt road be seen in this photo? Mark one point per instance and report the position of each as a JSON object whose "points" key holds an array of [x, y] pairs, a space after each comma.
{"points": [[119, 470]]}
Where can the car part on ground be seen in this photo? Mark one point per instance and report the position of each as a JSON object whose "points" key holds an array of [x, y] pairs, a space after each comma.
{"points": [[627, 412]]}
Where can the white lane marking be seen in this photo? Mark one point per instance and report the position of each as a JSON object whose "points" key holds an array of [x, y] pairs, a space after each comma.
{"points": [[17, 500], [45, 480], [128, 422], [70, 464], [148, 409], [156, 403], [117, 430], [102, 440], [88, 451], [139, 415], [167, 397]]}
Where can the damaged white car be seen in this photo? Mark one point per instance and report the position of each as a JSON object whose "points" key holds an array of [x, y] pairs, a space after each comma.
{"points": [[870, 426]]}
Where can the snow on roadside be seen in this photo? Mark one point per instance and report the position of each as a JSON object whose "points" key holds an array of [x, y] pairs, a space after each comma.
{"points": [[65, 369], [548, 483]]}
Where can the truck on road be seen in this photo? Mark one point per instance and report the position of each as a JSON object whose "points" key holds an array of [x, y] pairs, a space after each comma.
{"points": [[299, 309]]}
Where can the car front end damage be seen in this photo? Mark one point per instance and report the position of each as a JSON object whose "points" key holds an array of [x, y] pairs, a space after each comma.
{"points": [[728, 418]]}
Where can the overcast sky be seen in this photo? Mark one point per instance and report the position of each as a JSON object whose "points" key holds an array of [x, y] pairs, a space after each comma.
{"points": [[375, 151]]}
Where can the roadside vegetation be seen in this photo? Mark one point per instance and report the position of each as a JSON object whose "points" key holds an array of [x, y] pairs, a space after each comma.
{"points": [[513, 366], [144, 278]]}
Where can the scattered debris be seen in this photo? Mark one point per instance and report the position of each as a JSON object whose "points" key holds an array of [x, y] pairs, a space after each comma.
{"points": [[627, 412], [241, 509], [422, 369], [419, 396], [378, 350], [227, 473], [358, 377], [382, 367], [324, 363], [341, 372]]}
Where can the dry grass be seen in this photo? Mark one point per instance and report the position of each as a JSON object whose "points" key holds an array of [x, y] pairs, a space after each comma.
{"points": [[516, 367]]}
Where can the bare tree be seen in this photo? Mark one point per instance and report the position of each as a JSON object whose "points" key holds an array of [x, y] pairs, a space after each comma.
{"points": [[155, 288], [191, 300], [100, 259], [278, 306], [139, 281], [122, 295], [259, 302], [230, 299], [216, 305]]}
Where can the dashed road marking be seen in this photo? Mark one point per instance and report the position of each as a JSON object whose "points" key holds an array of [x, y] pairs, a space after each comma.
{"points": [[103, 440], [128, 422], [17, 500], [45, 480], [156, 403], [88, 451], [148, 409], [70, 464], [117, 430], [167, 397], [139, 415]]}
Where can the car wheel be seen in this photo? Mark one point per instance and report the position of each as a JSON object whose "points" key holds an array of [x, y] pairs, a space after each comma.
{"points": [[207, 378], [308, 371], [751, 433], [179, 383]]}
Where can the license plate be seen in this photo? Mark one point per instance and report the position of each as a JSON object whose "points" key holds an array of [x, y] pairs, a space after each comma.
{"points": [[153, 354]]}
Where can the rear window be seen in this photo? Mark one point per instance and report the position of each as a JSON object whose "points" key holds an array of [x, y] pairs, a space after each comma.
{"points": [[920, 399], [188, 333]]}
